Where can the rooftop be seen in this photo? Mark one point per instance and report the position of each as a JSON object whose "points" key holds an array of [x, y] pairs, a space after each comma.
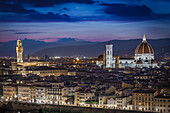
{"points": [[145, 91]]}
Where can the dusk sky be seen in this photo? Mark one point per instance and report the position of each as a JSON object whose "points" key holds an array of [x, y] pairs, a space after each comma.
{"points": [[91, 20]]}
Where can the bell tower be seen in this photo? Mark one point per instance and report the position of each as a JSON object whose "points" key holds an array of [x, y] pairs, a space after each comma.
{"points": [[109, 55], [19, 50], [104, 60]]}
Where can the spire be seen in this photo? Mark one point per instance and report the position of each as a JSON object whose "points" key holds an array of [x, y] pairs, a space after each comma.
{"points": [[144, 38], [19, 38]]}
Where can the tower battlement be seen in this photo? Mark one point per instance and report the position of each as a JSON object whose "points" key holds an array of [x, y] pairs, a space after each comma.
{"points": [[19, 50]]}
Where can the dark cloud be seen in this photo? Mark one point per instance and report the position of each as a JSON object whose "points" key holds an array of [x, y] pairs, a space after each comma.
{"points": [[161, 0], [22, 14], [28, 32], [63, 10], [49, 17], [15, 8], [8, 30], [47, 3], [35, 17], [46, 38], [127, 10]]}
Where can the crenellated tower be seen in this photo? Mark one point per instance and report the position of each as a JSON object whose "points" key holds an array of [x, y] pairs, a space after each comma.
{"points": [[19, 50]]}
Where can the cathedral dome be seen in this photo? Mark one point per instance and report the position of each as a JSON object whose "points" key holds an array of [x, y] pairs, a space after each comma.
{"points": [[144, 47]]}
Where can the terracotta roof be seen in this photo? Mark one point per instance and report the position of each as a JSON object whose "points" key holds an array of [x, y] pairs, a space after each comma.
{"points": [[144, 47], [139, 62], [145, 91], [153, 62]]}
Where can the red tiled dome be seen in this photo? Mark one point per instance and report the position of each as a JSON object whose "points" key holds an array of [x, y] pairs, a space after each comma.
{"points": [[144, 47]]}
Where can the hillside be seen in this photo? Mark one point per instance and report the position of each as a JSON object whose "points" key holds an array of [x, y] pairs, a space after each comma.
{"points": [[121, 47]]}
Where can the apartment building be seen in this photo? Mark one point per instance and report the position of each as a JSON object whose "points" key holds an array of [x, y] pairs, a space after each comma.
{"points": [[119, 102], [27, 93], [143, 100], [10, 92], [162, 103], [80, 97]]}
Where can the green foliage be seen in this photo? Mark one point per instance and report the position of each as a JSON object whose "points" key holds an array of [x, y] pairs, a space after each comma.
{"points": [[92, 102]]}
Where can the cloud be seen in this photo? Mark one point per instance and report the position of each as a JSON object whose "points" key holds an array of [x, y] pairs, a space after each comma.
{"points": [[45, 38], [49, 17], [63, 10], [8, 30], [47, 3], [127, 10], [15, 8], [16, 12], [28, 32], [22, 11], [133, 12]]}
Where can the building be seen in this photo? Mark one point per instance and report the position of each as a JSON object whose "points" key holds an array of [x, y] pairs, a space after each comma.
{"points": [[143, 100], [103, 100], [20, 64], [162, 103], [9, 92], [119, 102], [54, 95], [27, 93], [19, 50], [144, 57], [44, 71], [80, 97]]}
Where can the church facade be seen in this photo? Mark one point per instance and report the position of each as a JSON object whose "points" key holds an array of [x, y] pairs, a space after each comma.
{"points": [[144, 57]]}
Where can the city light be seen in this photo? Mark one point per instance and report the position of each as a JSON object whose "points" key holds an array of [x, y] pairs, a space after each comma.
{"points": [[79, 56]]}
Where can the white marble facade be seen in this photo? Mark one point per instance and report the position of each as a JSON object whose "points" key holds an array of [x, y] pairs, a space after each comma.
{"points": [[144, 57]]}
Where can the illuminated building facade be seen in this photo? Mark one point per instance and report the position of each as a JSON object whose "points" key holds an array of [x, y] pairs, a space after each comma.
{"points": [[144, 57], [143, 100], [19, 50], [9, 92], [162, 103], [26, 93]]}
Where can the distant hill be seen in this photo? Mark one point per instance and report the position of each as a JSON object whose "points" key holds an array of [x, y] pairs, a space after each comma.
{"points": [[72, 47], [31, 46], [121, 48]]}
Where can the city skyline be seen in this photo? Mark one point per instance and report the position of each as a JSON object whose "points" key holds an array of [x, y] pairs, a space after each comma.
{"points": [[106, 83], [84, 56], [90, 20]]}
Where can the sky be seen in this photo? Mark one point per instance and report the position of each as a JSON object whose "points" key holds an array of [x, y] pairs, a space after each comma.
{"points": [[90, 20]]}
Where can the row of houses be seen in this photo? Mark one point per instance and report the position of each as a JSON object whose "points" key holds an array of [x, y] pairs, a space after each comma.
{"points": [[84, 96]]}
